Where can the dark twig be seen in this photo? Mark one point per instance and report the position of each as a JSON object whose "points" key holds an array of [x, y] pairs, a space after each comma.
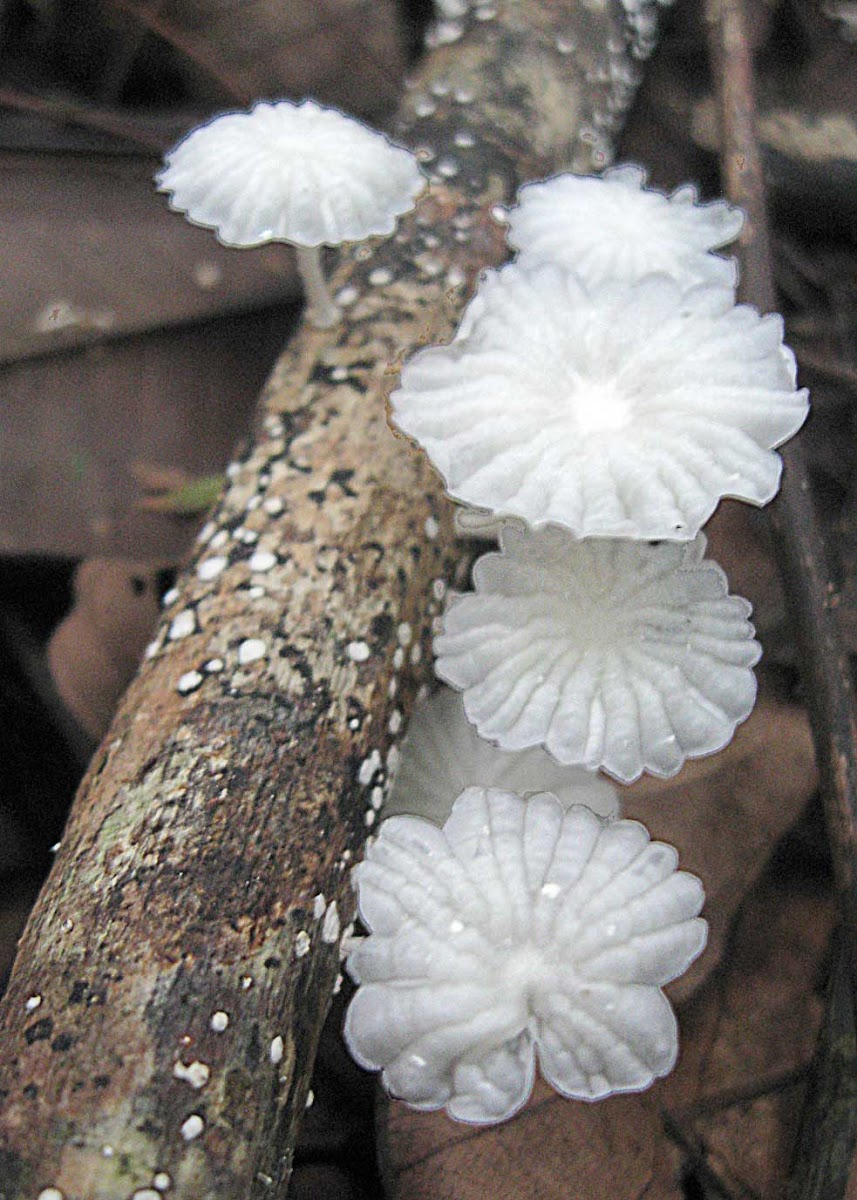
{"points": [[793, 520], [744, 1093], [695, 1158], [69, 112], [802, 562], [192, 48]]}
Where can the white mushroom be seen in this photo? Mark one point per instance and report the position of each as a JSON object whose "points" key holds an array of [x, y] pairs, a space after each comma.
{"points": [[520, 928], [442, 754], [612, 227], [614, 654], [617, 410], [296, 173]]}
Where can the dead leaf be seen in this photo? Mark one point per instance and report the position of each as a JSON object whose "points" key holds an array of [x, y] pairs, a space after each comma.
{"points": [[747, 1036], [554, 1148], [724, 814], [94, 651]]}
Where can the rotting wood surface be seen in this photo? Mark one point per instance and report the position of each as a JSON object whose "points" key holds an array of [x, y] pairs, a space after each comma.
{"points": [[161, 1022]]}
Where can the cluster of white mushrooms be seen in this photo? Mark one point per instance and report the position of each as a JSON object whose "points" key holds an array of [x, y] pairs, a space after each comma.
{"points": [[602, 393], [600, 396]]}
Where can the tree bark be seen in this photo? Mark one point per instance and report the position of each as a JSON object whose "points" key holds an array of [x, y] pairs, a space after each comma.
{"points": [[162, 1018]]}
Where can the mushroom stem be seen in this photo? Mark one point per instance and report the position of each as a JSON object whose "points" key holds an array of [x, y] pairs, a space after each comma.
{"points": [[322, 310]]}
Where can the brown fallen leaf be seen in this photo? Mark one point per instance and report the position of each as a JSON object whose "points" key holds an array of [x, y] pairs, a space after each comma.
{"points": [[746, 1038], [94, 652], [726, 813], [554, 1148]]}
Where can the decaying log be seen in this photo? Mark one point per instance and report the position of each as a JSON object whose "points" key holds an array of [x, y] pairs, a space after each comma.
{"points": [[161, 1022]]}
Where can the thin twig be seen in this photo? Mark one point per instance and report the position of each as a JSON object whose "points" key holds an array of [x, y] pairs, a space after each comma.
{"points": [[192, 48], [706, 1106], [66, 111], [809, 592], [796, 532], [695, 1158]]}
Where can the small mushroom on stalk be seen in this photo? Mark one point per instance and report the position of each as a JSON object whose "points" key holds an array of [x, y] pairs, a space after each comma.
{"points": [[612, 227], [296, 173], [520, 929], [615, 654]]}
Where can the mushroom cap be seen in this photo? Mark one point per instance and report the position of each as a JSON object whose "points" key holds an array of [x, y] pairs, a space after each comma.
{"points": [[288, 172], [519, 928], [612, 227], [442, 754], [615, 654], [616, 409]]}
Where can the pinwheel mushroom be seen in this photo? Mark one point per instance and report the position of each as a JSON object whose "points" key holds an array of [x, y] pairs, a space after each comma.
{"points": [[615, 409], [518, 930], [615, 654], [612, 227], [296, 173]]}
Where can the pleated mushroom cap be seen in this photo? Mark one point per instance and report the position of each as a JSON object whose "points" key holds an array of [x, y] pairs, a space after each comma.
{"points": [[615, 410], [611, 226], [520, 929], [296, 173], [611, 654]]}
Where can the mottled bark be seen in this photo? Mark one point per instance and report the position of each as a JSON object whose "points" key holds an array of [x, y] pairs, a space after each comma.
{"points": [[161, 1022]]}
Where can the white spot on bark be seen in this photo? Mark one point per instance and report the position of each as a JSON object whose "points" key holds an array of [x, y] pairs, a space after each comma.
{"points": [[197, 1074], [330, 928], [368, 768], [214, 665], [358, 651], [219, 1021], [188, 682], [318, 906], [310, 1098], [162, 1181], [432, 528], [302, 944], [192, 1127], [33, 1003], [380, 277], [210, 568], [182, 625], [273, 506], [251, 650], [262, 560], [276, 1051], [347, 296]]}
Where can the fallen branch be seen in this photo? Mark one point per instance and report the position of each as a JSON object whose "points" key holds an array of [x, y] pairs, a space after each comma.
{"points": [[163, 1014]]}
